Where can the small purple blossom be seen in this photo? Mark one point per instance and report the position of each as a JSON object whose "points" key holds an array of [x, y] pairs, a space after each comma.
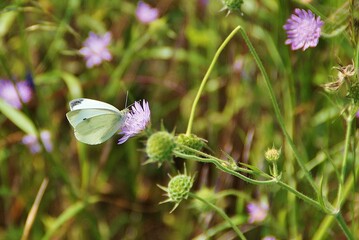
{"points": [[95, 49], [145, 13], [257, 211], [136, 121], [303, 29], [269, 238], [33, 144], [12, 93]]}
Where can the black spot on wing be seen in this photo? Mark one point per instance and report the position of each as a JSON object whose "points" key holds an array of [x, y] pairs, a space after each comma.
{"points": [[76, 102]]}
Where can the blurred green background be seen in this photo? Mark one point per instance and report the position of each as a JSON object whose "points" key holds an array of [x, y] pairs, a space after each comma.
{"points": [[164, 63]]}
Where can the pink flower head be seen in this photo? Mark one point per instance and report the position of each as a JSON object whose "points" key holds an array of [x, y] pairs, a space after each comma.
{"points": [[145, 13], [136, 121], [33, 144], [303, 29], [95, 49], [257, 211], [12, 93]]}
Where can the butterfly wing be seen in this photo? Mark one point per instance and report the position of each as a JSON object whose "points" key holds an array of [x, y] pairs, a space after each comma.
{"points": [[85, 103], [77, 116], [99, 128]]}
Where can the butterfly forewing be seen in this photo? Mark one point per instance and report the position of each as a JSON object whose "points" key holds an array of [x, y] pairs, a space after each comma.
{"points": [[85, 103]]}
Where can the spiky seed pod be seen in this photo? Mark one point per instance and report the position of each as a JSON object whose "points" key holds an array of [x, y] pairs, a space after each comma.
{"points": [[191, 141], [178, 189], [159, 147]]}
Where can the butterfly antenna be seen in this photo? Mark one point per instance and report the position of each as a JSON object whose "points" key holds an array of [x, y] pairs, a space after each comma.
{"points": [[126, 99]]}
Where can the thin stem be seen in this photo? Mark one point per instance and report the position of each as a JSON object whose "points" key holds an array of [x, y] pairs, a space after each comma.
{"points": [[349, 121], [32, 214], [205, 78], [220, 212], [300, 195], [277, 110], [224, 167], [328, 220], [344, 226]]}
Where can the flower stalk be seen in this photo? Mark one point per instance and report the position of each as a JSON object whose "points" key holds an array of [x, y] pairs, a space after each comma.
{"points": [[205, 78], [220, 212]]}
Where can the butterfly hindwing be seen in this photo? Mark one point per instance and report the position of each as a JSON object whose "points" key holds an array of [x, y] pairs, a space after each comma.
{"points": [[77, 116], [99, 128]]}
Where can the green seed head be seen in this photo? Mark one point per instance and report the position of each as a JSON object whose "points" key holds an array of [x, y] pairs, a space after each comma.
{"points": [[191, 141], [178, 189], [159, 147]]}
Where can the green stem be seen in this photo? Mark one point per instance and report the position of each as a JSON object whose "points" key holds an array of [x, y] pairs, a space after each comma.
{"points": [[220, 212], [85, 167], [205, 78], [328, 220], [67, 214], [300, 195], [277, 110], [224, 167], [349, 121], [344, 226]]}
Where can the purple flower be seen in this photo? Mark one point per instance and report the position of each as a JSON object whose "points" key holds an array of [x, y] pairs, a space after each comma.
{"points": [[136, 121], [95, 49], [145, 13], [12, 93], [269, 238], [303, 29], [33, 144], [257, 211]]}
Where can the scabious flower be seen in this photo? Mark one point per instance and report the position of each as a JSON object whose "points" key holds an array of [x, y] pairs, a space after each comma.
{"points": [[95, 49], [145, 13], [32, 142], [12, 93], [257, 211], [136, 121], [303, 29]]}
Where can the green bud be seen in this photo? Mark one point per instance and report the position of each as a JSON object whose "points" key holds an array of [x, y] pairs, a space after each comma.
{"points": [[159, 147], [232, 5], [191, 141], [272, 155]]}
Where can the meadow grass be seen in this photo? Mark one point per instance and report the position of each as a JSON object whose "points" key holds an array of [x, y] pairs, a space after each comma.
{"points": [[259, 140]]}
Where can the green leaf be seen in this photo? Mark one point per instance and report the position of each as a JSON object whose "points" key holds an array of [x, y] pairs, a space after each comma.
{"points": [[73, 84], [18, 118]]}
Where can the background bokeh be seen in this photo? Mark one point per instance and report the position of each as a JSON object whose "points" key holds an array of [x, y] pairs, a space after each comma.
{"points": [[164, 62]]}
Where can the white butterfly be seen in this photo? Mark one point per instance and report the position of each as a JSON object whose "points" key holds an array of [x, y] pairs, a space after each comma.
{"points": [[95, 121]]}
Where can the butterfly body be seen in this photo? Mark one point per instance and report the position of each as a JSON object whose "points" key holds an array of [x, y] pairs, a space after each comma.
{"points": [[94, 121]]}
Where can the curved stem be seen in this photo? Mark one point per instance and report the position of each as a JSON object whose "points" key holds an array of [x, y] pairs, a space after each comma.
{"points": [[277, 110], [205, 78], [220, 212], [224, 167]]}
